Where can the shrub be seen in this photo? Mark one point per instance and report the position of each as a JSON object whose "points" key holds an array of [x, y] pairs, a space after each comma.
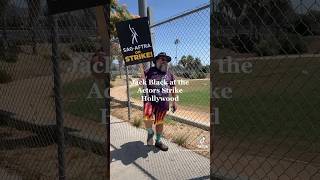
{"points": [[180, 139], [113, 77], [222, 42], [292, 44], [11, 54], [137, 122], [267, 47], [206, 69], [284, 44], [243, 43], [201, 75], [169, 121], [197, 75], [47, 56], [4, 77], [65, 56], [11, 57], [302, 25]]}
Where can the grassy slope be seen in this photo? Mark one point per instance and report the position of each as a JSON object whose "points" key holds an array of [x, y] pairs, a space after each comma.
{"points": [[279, 98], [196, 94]]}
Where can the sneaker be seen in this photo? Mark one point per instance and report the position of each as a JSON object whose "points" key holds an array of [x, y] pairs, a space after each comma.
{"points": [[150, 139], [161, 146]]}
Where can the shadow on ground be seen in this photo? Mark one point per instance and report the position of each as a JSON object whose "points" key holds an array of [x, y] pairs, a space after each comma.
{"points": [[131, 151]]}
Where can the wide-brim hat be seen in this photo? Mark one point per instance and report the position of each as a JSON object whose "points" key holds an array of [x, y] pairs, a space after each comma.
{"points": [[162, 54]]}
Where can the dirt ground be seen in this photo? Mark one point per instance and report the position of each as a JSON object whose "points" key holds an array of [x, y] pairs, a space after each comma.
{"points": [[23, 154]]}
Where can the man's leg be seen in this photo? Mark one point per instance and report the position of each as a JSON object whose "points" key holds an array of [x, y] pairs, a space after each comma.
{"points": [[159, 132], [159, 120], [148, 123]]}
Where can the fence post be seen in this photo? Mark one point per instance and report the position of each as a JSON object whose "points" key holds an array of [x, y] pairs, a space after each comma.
{"points": [[128, 94], [58, 99], [212, 101], [151, 21], [142, 8], [143, 13], [103, 16]]}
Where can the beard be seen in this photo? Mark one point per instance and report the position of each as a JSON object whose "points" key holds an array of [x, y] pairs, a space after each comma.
{"points": [[162, 67]]}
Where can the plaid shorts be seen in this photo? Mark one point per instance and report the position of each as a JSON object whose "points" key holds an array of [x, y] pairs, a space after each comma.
{"points": [[158, 112]]}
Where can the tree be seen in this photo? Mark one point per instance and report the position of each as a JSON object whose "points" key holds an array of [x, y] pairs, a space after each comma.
{"points": [[192, 67], [258, 13], [118, 13], [185, 61], [190, 63], [116, 54]]}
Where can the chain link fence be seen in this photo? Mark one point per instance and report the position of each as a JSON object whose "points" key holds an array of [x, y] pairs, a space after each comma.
{"points": [[32, 145], [265, 55], [30, 140], [186, 38]]}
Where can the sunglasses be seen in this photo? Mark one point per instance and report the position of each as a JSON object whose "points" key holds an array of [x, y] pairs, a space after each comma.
{"points": [[163, 59]]}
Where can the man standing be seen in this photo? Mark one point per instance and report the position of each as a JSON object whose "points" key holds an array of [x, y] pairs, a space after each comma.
{"points": [[158, 78]]}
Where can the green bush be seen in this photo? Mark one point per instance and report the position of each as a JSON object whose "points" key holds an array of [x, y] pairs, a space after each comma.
{"points": [[180, 139], [292, 44], [268, 47], [197, 75], [284, 44], [11, 57], [206, 69], [11, 54], [4, 77], [191, 74], [47, 56], [169, 121], [243, 43], [113, 77], [222, 42], [83, 45], [137, 122], [65, 56]]}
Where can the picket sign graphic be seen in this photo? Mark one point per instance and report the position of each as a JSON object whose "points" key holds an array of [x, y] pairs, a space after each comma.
{"points": [[135, 41]]}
